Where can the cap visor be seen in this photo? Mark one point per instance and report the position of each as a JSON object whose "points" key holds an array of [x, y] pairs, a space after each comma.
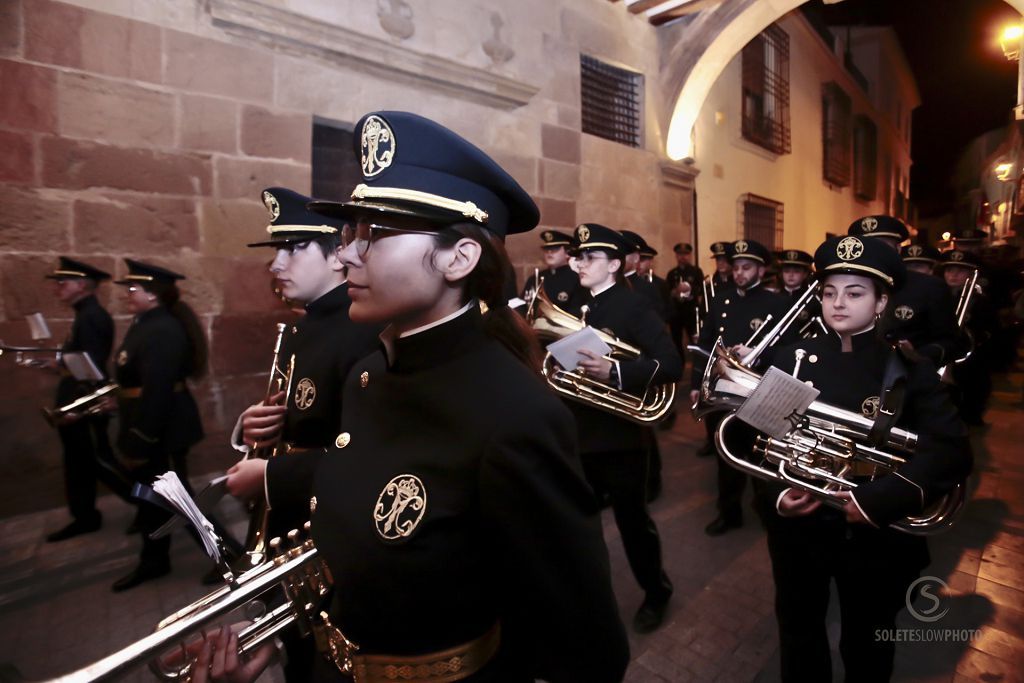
{"points": [[364, 209]]}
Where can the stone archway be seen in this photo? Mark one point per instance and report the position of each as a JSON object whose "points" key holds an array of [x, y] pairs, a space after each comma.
{"points": [[705, 47]]}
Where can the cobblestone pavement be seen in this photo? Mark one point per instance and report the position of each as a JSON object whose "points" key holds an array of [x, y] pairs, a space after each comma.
{"points": [[57, 612]]}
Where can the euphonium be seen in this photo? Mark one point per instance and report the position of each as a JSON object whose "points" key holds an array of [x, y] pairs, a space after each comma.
{"points": [[299, 571], [256, 536], [825, 448], [551, 323], [94, 403]]}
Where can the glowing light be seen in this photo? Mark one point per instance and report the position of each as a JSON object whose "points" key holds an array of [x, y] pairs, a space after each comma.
{"points": [[946, 235], [1009, 41], [1003, 170]]}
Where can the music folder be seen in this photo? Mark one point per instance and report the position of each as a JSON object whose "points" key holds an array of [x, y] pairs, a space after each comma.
{"points": [[81, 367], [567, 349], [37, 326]]}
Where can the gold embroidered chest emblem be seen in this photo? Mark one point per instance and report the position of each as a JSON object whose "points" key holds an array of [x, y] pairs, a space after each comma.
{"points": [[756, 323], [377, 146], [903, 312], [122, 358], [305, 393], [563, 297], [849, 248], [400, 507], [869, 408], [583, 233]]}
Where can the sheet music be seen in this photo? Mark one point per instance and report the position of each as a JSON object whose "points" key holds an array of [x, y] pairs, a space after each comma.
{"points": [[566, 350], [170, 487], [37, 326], [81, 367], [771, 407]]}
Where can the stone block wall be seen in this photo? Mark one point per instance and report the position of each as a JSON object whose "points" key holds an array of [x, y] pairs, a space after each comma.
{"points": [[147, 128]]}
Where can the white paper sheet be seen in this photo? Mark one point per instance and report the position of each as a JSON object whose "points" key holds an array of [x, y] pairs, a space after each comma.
{"points": [[771, 406]]}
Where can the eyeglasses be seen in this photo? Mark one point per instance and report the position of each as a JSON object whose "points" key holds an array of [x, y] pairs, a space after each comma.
{"points": [[362, 235], [588, 257]]}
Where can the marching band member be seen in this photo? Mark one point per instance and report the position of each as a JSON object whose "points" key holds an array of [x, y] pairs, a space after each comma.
{"points": [[615, 450], [973, 375], [88, 457], [650, 292], [735, 314], [561, 284], [920, 316], [920, 258], [722, 275], [158, 417], [811, 544], [684, 284], [795, 272], [325, 343], [452, 511]]}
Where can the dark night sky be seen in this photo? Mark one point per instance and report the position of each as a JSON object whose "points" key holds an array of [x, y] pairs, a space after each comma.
{"points": [[967, 86]]}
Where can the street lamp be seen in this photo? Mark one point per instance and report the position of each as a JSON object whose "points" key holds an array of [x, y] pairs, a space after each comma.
{"points": [[1011, 39]]}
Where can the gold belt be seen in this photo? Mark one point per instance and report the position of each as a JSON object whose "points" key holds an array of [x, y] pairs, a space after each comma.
{"points": [[453, 664], [136, 392]]}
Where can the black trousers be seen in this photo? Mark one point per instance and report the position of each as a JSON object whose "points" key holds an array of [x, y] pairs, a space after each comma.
{"points": [[88, 459], [731, 481], [623, 476], [873, 569]]}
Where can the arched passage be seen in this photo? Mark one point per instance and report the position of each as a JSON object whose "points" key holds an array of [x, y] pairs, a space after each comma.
{"points": [[698, 70]]}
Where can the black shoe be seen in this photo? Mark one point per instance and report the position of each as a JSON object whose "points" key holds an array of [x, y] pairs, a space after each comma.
{"points": [[721, 525], [76, 528], [651, 614], [142, 573], [707, 450]]}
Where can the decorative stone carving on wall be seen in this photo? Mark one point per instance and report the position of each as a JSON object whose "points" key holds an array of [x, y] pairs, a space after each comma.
{"points": [[396, 18], [493, 47], [297, 34]]}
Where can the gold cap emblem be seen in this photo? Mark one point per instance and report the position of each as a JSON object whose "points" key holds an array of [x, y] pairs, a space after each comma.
{"points": [[270, 201], [915, 250], [792, 256], [903, 312], [305, 393], [583, 233], [869, 408], [869, 224], [400, 507], [547, 236], [849, 248], [364, 379], [956, 256], [741, 247], [377, 146]]}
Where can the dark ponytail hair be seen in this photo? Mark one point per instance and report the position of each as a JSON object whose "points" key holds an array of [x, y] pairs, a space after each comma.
{"points": [[487, 283], [170, 296]]}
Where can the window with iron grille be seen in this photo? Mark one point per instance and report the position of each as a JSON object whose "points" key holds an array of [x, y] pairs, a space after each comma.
{"points": [[335, 168], [865, 158], [766, 90], [762, 220], [611, 100], [836, 110]]}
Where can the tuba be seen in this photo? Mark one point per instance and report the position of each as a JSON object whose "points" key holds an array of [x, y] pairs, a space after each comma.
{"points": [[256, 536], [826, 448], [551, 323], [298, 571], [94, 403]]}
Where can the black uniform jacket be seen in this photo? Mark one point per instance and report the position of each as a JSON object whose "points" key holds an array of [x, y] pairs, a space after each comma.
{"points": [[653, 292], [620, 312], [458, 501], [853, 381], [734, 317], [562, 286], [325, 343], [922, 313], [93, 332], [692, 275], [155, 359]]}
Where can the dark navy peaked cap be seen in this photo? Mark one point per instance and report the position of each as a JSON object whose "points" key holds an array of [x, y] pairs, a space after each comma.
{"points": [[415, 167], [860, 255], [71, 269], [601, 238], [139, 271], [919, 252], [879, 226], [290, 221]]}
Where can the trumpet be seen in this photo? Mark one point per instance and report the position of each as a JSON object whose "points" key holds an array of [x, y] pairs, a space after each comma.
{"points": [[963, 307], [299, 571], [95, 403], [256, 536], [551, 323], [23, 355]]}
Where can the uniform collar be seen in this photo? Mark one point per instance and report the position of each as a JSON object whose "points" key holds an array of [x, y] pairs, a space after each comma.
{"points": [[598, 292], [329, 302], [155, 312], [748, 290], [84, 302], [434, 344], [859, 341]]}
